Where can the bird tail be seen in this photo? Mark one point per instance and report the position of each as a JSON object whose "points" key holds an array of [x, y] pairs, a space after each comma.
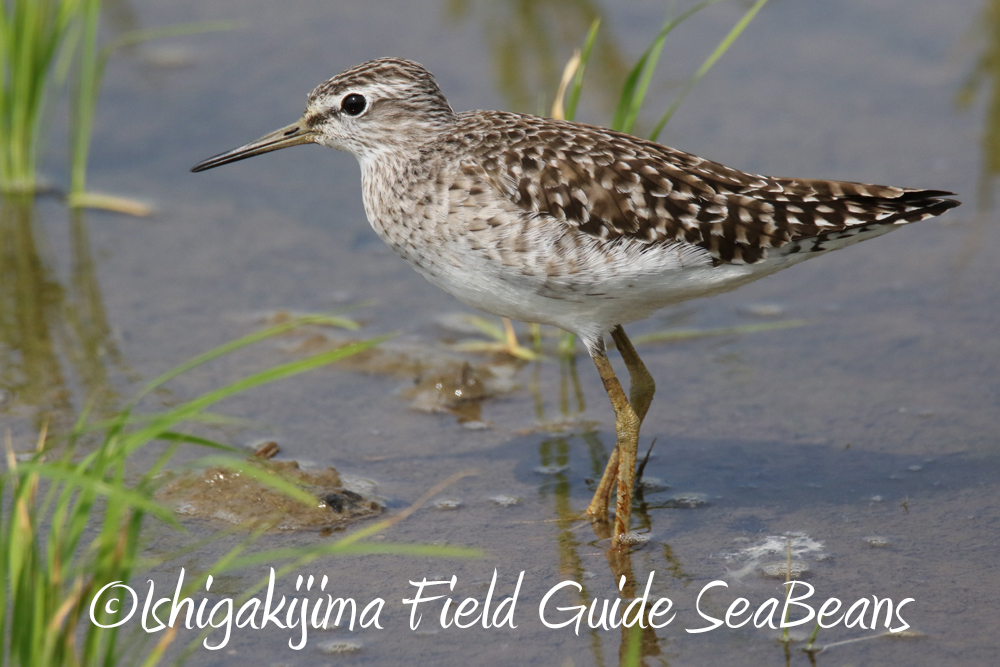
{"points": [[872, 211]]}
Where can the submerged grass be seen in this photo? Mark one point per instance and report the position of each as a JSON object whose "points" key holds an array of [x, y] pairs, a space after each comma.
{"points": [[70, 521]]}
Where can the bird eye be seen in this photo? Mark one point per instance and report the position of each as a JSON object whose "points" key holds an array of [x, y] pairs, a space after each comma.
{"points": [[353, 104]]}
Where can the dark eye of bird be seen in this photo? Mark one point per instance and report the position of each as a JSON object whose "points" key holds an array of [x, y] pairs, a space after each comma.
{"points": [[353, 104]]}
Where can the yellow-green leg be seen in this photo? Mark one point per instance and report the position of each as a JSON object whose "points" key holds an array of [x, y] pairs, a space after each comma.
{"points": [[641, 384], [629, 414]]}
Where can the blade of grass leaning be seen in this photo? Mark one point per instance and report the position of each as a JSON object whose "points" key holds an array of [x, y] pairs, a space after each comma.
{"points": [[567, 78], [178, 439], [259, 474], [30, 34], [133, 37], [569, 112], [633, 652], [687, 334], [187, 438], [637, 82], [302, 556], [409, 511], [114, 493], [105, 202], [707, 65], [349, 543], [93, 62], [133, 441], [40, 608], [88, 81], [204, 417], [249, 339]]}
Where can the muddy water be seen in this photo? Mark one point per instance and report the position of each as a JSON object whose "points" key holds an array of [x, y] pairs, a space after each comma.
{"points": [[867, 436]]}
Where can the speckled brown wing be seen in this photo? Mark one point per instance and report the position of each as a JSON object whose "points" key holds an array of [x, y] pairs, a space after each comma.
{"points": [[613, 185]]}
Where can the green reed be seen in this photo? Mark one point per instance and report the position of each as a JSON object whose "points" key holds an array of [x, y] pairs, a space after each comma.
{"points": [[33, 36], [93, 58], [636, 86], [70, 521], [45, 44]]}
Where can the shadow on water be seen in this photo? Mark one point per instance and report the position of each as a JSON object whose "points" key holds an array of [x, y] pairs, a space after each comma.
{"points": [[54, 335], [530, 40]]}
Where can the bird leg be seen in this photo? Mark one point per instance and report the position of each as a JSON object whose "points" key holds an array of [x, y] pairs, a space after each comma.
{"points": [[641, 384], [627, 432], [628, 419]]}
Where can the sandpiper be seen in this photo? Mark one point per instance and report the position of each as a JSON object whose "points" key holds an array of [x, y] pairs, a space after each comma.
{"points": [[572, 225]]}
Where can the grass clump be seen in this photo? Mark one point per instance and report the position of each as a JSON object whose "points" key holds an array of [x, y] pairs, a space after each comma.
{"points": [[33, 33], [70, 521], [44, 44]]}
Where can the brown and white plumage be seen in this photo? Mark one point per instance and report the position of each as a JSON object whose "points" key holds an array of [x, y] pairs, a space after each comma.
{"points": [[612, 185], [569, 224]]}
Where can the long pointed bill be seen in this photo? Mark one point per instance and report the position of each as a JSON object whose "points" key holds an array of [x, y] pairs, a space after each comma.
{"points": [[293, 135]]}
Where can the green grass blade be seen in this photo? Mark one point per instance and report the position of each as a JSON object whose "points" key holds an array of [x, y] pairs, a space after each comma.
{"points": [[114, 493], [707, 65], [132, 37], [487, 327], [250, 339], [574, 92], [92, 65], [187, 438], [211, 418], [688, 334], [165, 422], [259, 473], [633, 91], [87, 85], [633, 652], [354, 548]]}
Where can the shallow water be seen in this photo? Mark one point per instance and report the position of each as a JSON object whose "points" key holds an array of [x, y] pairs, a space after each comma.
{"points": [[878, 418]]}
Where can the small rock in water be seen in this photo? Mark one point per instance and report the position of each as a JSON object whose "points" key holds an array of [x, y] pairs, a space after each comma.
{"points": [[505, 501], [266, 450], [634, 538], [233, 496], [876, 541]]}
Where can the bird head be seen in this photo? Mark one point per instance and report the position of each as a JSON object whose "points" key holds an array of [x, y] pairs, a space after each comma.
{"points": [[384, 105]]}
